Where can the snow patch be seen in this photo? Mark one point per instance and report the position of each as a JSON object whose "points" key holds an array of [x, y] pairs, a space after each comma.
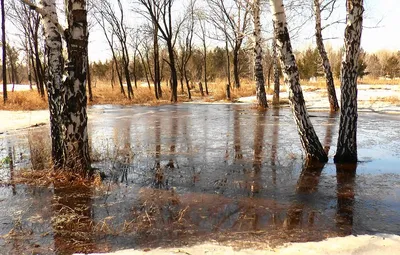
{"points": [[355, 245]]}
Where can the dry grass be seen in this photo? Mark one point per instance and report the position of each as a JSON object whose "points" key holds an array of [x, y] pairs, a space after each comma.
{"points": [[103, 93], [393, 100], [24, 101], [369, 80]]}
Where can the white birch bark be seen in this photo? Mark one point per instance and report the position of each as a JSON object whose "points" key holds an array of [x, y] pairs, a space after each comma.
{"points": [[275, 98], [334, 106], [308, 137], [347, 140], [258, 63], [54, 77], [75, 117]]}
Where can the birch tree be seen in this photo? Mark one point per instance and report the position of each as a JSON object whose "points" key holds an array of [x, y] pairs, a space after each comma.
{"points": [[347, 140], [258, 63], [308, 137], [70, 104], [334, 106]]}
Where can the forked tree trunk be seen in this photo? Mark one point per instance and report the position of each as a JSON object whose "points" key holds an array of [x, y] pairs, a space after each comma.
{"points": [[75, 117], [275, 98], [258, 65], [333, 103], [54, 83], [308, 137], [347, 140]]}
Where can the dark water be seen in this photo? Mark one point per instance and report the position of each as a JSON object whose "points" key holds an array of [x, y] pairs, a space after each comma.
{"points": [[185, 173]]}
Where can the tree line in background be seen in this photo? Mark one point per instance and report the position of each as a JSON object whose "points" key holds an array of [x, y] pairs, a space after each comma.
{"points": [[163, 49], [383, 64]]}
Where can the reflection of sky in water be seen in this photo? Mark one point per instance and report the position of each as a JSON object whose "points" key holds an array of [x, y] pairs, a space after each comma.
{"points": [[213, 150]]}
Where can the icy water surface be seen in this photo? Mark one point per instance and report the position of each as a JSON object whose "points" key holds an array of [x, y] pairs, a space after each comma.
{"points": [[185, 173]]}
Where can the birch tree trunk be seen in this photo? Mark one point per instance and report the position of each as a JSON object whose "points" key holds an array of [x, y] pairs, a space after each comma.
{"points": [[275, 98], [258, 65], [334, 106], [54, 83], [308, 137], [347, 140], [75, 117]]}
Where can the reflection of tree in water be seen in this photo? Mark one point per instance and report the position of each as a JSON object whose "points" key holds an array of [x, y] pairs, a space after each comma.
{"points": [[329, 131], [72, 218], [308, 181], [255, 174], [345, 176], [274, 146], [236, 134], [174, 134], [123, 154], [158, 181]]}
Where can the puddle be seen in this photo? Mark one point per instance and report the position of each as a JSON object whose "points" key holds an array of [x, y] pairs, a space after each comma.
{"points": [[180, 174]]}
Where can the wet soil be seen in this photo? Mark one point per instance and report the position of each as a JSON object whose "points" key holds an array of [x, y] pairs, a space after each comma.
{"points": [[182, 174]]}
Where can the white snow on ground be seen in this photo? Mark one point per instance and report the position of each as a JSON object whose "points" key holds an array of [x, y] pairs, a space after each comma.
{"points": [[360, 245], [382, 98], [12, 120], [17, 87]]}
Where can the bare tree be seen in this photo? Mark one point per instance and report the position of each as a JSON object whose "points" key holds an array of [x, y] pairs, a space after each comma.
{"points": [[203, 36], [186, 45], [116, 24], [308, 137], [334, 106], [110, 40], [347, 140], [163, 23], [233, 22]]}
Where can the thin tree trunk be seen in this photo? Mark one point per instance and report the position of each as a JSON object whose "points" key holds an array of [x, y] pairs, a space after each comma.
{"points": [[228, 70], [39, 68], [174, 75], [157, 76], [347, 140], [75, 117], [236, 77], [205, 67], [258, 65], [187, 84], [3, 40], [308, 137], [334, 106], [275, 98]]}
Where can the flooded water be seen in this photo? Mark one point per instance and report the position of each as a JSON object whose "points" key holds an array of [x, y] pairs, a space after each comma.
{"points": [[186, 173]]}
